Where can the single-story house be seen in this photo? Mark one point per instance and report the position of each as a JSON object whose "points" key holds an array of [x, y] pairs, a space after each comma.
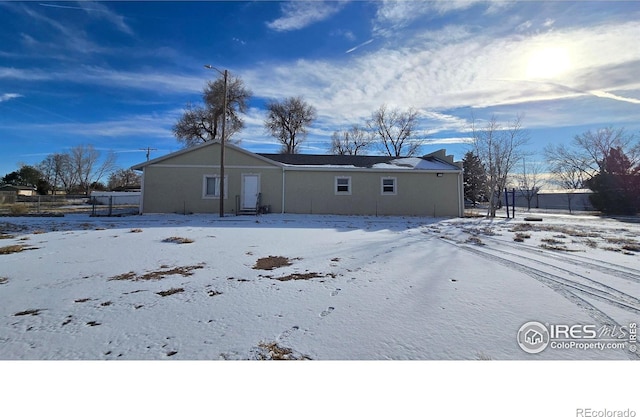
{"points": [[19, 189], [188, 181]]}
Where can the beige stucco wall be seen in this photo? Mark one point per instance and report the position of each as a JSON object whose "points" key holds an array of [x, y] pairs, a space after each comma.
{"points": [[175, 185], [417, 193], [210, 155], [180, 189]]}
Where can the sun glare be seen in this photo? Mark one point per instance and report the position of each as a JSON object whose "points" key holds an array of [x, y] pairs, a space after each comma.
{"points": [[548, 62]]}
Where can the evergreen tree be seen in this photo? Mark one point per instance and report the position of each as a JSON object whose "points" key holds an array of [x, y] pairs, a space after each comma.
{"points": [[616, 188], [27, 176], [475, 178]]}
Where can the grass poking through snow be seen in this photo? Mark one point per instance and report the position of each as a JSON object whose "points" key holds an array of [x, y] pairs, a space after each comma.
{"points": [[178, 240], [273, 351], [271, 262], [296, 276], [31, 312], [165, 271], [6, 250], [170, 292]]}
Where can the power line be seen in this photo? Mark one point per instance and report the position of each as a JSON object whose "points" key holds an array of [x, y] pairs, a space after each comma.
{"points": [[148, 149]]}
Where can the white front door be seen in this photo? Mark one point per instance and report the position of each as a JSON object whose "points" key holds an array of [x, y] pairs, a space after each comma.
{"points": [[250, 190]]}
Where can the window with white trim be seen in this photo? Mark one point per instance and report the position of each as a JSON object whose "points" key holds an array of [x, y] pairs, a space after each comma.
{"points": [[343, 185], [388, 185], [211, 186]]}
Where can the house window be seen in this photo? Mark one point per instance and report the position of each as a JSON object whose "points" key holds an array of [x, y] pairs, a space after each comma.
{"points": [[343, 185], [388, 186], [211, 186]]}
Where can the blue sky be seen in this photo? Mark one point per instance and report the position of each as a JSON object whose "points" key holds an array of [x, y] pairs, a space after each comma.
{"points": [[117, 75]]}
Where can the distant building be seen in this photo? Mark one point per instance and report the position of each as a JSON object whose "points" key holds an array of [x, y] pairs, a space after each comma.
{"points": [[19, 190], [572, 200]]}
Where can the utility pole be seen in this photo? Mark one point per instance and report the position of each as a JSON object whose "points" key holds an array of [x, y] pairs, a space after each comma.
{"points": [[148, 151], [224, 122]]}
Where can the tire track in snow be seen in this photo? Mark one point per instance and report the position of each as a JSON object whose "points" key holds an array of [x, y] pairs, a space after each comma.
{"points": [[619, 271], [573, 291], [608, 294], [593, 286]]}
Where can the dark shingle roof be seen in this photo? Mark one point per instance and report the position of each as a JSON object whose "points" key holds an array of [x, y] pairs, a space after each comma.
{"points": [[360, 161]]}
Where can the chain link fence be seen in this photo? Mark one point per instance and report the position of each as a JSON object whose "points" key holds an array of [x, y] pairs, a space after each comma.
{"points": [[102, 204]]}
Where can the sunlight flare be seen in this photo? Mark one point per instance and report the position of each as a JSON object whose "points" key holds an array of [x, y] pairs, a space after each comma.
{"points": [[548, 62]]}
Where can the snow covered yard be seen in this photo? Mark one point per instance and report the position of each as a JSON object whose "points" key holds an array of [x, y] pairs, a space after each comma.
{"points": [[310, 287]]}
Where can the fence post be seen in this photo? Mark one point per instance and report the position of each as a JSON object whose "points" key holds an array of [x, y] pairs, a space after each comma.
{"points": [[110, 205], [506, 201]]}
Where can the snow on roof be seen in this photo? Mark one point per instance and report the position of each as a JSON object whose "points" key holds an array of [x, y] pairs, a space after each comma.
{"points": [[416, 163], [426, 162]]}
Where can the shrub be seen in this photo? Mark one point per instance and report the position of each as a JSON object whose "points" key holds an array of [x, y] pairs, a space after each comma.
{"points": [[18, 209]]}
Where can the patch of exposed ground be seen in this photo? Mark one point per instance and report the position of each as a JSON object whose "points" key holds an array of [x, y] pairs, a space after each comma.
{"points": [[474, 240], [170, 292], [297, 276], [526, 227], [272, 262], [162, 273], [555, 244], [178, 240], [272, 351], [30, 312], [6, 250]]}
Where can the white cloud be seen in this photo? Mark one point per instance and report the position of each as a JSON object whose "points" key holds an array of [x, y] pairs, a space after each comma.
{"points": [[359, 46], [300, 14], [152, 126], [99, 10], [449, 141], [476, 70], [8, 96], [395, 14], [612, 96], [342, 33], [96, 10]]}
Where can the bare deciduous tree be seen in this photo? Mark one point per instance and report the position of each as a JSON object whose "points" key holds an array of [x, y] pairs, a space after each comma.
{"points": [[352, 141], [124, 178], [529, 180], [499, 148], [394, 129], [200, 124], [55, 170], [288, 121], [574, 165], [84, 161]]}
